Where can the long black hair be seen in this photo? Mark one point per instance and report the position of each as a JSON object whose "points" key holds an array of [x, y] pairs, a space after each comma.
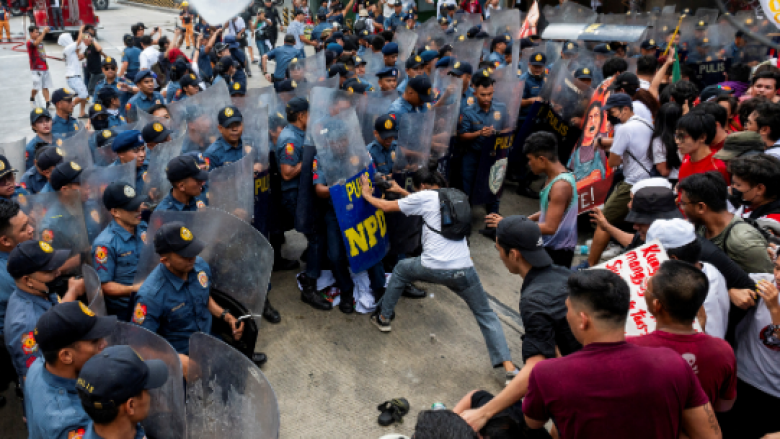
{"points": [[665, 127]]}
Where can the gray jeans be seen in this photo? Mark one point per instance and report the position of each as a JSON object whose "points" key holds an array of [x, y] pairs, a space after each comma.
{"points": [[465, 283]]}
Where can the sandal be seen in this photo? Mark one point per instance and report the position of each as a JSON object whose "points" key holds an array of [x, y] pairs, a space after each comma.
{"points": [[393, 411]]}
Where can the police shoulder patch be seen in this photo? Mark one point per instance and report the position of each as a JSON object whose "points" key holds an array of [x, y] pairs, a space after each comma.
{"points": [[101, 254], [139, 313], [203, 279]]}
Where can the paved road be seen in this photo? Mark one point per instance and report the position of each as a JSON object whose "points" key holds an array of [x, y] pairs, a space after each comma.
{"points": [[330, 371]]}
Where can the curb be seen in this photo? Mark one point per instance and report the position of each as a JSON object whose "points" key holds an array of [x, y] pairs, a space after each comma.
{"points": [[144, 5]]}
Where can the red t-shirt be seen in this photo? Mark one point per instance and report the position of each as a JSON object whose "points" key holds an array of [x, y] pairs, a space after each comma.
{"points": [[37, 60], [709, 163], [715, 147], [471, 6], [615, 390], [711, 359]]}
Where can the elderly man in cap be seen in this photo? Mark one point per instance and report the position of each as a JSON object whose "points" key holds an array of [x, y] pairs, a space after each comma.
{"points": [[129, 146], [36, 178], [187, 180], [116, 251], [67, 336], [62, 122], [416, 98], [117, 402], [41, 123], [146, 97], [32, 265], [8, 187], [175, 300]]}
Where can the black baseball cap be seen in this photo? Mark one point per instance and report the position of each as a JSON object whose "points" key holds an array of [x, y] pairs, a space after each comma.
{"points": [[33, 256], [338, 68], [69, 322], [120, 195], [649, 44], [473, 31], [140, 25], [117, 374], [386, 126], [182, 167], [652, 203], [229, 115], [618, 100], [583, 73], [714, 91], [62, 94], [461, 68], [289, 39], [97, 110], [414, 61], [296, 105], [175, 237], [108, 61], [105, 138], [38, 113], [155, 132], [521, 233], [286, 85], [65, 173], [106, 94], [189, 79], [422, 85], [5, 167], [355, 85], [538, 59], [626, 81], [237, 88], [48, 156]]}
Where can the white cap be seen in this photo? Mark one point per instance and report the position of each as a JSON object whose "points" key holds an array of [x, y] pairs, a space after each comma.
{"points": [[650, 182], [673, 233]]}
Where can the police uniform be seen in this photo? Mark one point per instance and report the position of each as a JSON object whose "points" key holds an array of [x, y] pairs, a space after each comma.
{"points": [[132, 56], [474, 119], [102, 84], [64, 126], [30, 150], [497, 59], [401, 106], [172, 204], [142, 101], [289, 151], [735, 53], [531, 89], [395, 20], [33, 181], [140, 172], [221, 153], [116, 252], [7, 288], [283, 55], [22, 313], [383, 158]]}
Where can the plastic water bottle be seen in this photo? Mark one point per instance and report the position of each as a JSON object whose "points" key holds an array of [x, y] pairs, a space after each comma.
{"points": [[438, 406], [446, 215], [583, 249]]}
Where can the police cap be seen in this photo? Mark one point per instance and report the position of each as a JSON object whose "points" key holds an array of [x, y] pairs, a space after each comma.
{"points": [[174, 237], [461, 68], [5, 167], [386, 126], [390, 48], [422, 85], [286, 85], [183, 167], [355, 85], [538, 59], [38, 113], [69, 322], [335, 48], [129, 376], [65, 173], [339, 69], [229, 115], [359, 60], [143, 74], [120, 195], [62, 94], [97, 110], [289, 39], [127, 140], [33, 256], [444, 62], [237, 88], [155, 132], [429, 55], [47, 157], [386, 72], [414, 61], [108, 61], [297, 105], [583, 73], [569, 47], [473, 31], [649, 44], [189, 79], [604, 49], [106, 94], [106, 138]]}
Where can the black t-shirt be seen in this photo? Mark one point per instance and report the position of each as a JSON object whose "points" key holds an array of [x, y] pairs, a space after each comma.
{"points": [[185, 19], [137, 42], [94, 60], [273, 15]]}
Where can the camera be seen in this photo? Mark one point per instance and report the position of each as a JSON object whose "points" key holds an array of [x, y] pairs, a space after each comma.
{"points": [[384, 182]]}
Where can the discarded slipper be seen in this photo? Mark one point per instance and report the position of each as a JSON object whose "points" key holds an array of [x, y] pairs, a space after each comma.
{"points": [[393, 411]]}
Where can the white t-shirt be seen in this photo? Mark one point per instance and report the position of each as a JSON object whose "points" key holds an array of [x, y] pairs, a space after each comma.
{"points": [[72, 63], [717, 303], [759, 351], [634, 136], [774, 150], [234, 28], [438, 253], [659, 156], [149, 57], [641, 110], [296, 29], [387, 10], [644, 85], [489, 8]]}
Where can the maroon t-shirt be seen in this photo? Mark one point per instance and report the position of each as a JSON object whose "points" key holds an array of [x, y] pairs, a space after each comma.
{"points": [[711, 359], [614, 390]]}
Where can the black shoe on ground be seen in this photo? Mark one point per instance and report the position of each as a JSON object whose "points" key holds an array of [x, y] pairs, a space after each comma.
{"points": [[413, 292], [270, 313], [347, 305], [282, 264], [311, 296], [489, 233], [379, 323], [259, 359]]}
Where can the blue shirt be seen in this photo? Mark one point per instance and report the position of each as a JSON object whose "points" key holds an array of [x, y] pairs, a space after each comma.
{"points": [[204, 63], [316, 33], [175, 308], [496, 57], [116, 252], [172, 204], [531, 89], [102, 84], [46, 188], [401, 106], [218, 79], [29, 151], [140, 100], [283, 56], [735, 54], [289, 151], [7, 287], [474, 119], [24, 310], [383, 158], [140, 172], [402, 86], [58, 228], [62, 126], [467, 98], [132, 56], [396, 20], [52, 405], [33, 181], [116, 120], [171, 89], [221, 153], [90, 433]]}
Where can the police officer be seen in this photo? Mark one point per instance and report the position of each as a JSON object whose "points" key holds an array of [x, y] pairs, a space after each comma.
{"points": [[585, 75], [117, 402], [129, 146], [41, 123], [649, 48], [534, 81], [341, 70], [464, 71], [224, 70], [155, 133], [188, 180], [285, 85], [146, 96], [110, 98], [109, 68], [102, 152], [390, 54], [63, 122], [363, 42], [67, 335], [8, 187], [289, 156], [35, 178], [570, 51], [65, 175], [237, 90], [190, 86], [174, 301], [409, 21], [428, 58], [283, 55], [497, 48], [477, 132], [98, 120], [414, 67], [117, 249], [396, 19], [322, 25], [15, 228], [700, 52], [418, 93], [33, 264], [387, 78], [384, 146], [735, 51], [229, 147], [131, 59]]}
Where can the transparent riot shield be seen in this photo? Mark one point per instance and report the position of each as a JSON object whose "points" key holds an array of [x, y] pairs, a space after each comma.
{"points": [[76, 149], [167, 412], [227, 395], [329, 102], [144, 118], [199, 114], [708, 14], [465, 21], [445, 122], [406, 40], [430, 36], [94, 181], [567, 96], [156, 184], [94, 290], [230, 188], [376, 104], [240, 258], [415, 131], [575, 13], [503, 22], [663, 27], [506, 97], [447, 89], [341, 152], [552, 50], [612, 18], [374, 63], [15, 153], [309, 69], [467, 51], [58, 219]]}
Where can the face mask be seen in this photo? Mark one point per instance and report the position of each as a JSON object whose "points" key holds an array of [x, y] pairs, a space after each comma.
{"points": [[736, 198], [614, 120], [539, 77], [100, 124], [113, 112]]}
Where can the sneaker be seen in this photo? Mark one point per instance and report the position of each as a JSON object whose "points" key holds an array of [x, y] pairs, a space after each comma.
{"points": [[612, 251], [581, 266], [377, 320], [510, 375]]}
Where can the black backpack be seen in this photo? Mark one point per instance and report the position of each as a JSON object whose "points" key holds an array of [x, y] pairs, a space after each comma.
{"points": [[455, 214], [360, 25]]}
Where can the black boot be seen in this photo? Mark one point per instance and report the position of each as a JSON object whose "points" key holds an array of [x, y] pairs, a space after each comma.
{"points": [[270, 313], [259, 358], [347, 304], [311, 296]]}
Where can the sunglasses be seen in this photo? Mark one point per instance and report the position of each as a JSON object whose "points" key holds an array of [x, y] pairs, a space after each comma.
{"points": [[109, 68]]}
